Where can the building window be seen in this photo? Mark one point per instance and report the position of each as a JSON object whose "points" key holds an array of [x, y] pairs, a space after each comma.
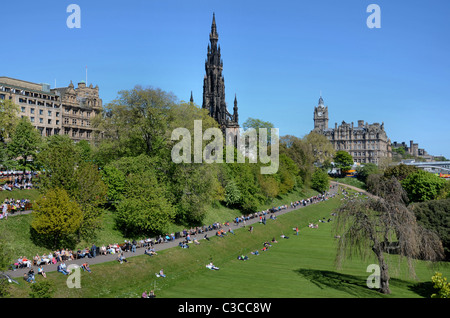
{"points": [[32, 119], [41, 112], [31, 110], [74, 121], [41, 120], [49, 121], [22, 109], [66, 121], [49, 113]]}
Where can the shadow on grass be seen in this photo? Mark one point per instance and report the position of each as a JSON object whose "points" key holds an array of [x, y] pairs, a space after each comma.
{"points": [[425, 289], [352, 285], [356, 286]]}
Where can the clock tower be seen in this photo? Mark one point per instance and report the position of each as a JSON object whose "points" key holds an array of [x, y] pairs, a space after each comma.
{"points": [[321, 116]]}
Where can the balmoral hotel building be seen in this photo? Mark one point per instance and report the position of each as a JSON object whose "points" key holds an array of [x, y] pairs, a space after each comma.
{"points": [[65, 110]]}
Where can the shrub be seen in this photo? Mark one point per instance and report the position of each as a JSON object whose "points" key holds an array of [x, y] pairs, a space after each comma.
{"points": [[43, 289], [320, 180], [441, 285]]}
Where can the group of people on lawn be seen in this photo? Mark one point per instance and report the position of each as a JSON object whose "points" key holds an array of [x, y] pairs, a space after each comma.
{"points": [[12, 205]]}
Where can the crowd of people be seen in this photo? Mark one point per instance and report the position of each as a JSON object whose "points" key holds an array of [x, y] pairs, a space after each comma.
{"points": [[12, 206], [60, 256], [17, 180]]}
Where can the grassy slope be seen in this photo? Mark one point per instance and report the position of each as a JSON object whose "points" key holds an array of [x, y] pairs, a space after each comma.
{"points": [[17, 228], [32, 194], [298, 267]]}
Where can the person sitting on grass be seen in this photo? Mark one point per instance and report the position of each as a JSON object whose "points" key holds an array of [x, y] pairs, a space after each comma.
{"points": [[62, 268], [122, 258], [255, 252], [161, 273], [150, 251], [41, 271], [85, 267], [183, 245], [29, 277], [242, 257]]}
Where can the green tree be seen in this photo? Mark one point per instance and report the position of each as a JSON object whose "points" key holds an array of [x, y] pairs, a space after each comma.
{"points": [[232, 193], [400, 171], [257, 124], [435, 216], [84, 150], [8, 118], [42, 289], [115, 181], [144, 209], [368, 227], [59, 159], [25, 142], [135, 123], [441, 285], [365, 171], [321, 148], [56, 216], [422, 186], [343, 160], [90, 194], [320, 180], [300, 152], [6, 255], [445, 191], [66, 166]]}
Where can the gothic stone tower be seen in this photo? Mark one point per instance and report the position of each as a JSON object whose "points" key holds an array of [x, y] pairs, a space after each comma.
{"points": [[214, 85], [320, 116]]}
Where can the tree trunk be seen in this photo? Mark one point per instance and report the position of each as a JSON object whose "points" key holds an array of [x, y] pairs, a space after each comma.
{"points": [[384, 275]]}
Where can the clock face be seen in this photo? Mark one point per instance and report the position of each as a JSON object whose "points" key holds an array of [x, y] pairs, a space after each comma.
{"points": [[319, 114]]}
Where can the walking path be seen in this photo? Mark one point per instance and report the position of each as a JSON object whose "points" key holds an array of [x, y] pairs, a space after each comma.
{"points": [[162, 246]]}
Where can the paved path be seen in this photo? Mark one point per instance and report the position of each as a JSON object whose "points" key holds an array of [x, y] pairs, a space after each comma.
{"points": [[157, 247]]}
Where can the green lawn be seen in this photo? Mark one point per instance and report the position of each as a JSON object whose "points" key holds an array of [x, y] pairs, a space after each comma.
{"points": [[32, 194], [300, 266], [351, 181], [17, 228]]}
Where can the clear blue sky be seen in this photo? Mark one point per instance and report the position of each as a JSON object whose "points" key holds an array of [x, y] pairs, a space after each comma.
{"points": [[278, 56]]}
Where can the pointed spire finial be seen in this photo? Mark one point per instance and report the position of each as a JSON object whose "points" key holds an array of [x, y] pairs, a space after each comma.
{"points": [[214, 35], [192, 98], [321, 99]]}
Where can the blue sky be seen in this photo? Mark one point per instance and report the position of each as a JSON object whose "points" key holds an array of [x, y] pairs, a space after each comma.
{"points": [[278, 56]]}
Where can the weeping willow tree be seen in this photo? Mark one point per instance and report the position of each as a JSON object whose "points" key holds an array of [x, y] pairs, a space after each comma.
{"points": [[376, 226]]}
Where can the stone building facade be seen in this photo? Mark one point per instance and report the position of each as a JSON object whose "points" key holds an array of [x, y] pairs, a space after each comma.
{"points": [[66, 110], [412, 149], [366, 143], [79, 106]]}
